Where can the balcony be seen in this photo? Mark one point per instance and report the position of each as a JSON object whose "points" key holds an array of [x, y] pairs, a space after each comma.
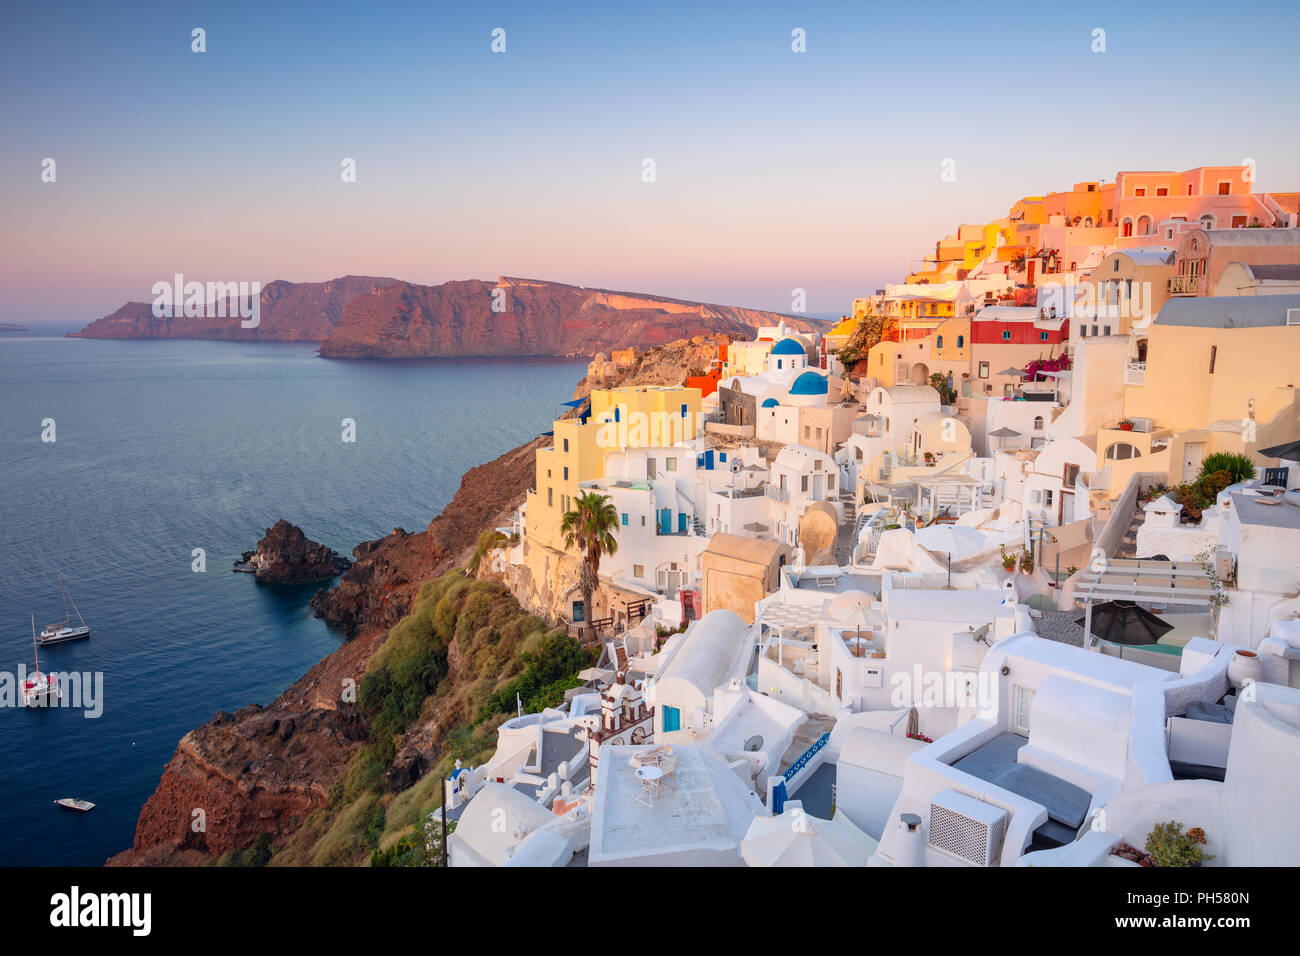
{"points": [[1184, 285], [1135, 373]]}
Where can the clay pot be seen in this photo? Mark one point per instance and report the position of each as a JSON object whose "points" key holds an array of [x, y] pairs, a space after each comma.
{"points": [[1244, 666]]}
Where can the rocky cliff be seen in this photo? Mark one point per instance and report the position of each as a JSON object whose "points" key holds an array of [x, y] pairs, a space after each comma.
{"points": [[524, 317], [366, 317], [289, 312]]}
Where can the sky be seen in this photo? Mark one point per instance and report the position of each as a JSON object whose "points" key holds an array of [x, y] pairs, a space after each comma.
{"points": [[774, 170]]}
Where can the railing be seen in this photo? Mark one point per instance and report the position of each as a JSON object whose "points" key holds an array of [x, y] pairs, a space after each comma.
{"points": [[778, 494], [1184, 285], [1135, 373], [806, 756]]}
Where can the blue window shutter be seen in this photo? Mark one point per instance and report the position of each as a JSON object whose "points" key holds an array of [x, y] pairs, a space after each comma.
{"points": [[615, 413], [624, 517], [722, 456], [683, 411]]}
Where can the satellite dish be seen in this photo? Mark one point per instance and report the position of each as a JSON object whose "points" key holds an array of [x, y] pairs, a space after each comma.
{"points": [[754, 744]]}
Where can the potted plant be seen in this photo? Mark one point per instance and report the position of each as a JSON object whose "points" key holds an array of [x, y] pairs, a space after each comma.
{"points": [[1008, 559], [1168, 845], [1126, 426], [1027, 562]]}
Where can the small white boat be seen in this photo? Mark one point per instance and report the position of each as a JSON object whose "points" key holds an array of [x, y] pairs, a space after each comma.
{"points": [[65, 630], [76, 806], [40, 690]]}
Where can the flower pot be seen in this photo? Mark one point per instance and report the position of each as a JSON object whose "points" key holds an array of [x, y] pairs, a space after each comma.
{"points": [[1244, 666], [1126, 426]]}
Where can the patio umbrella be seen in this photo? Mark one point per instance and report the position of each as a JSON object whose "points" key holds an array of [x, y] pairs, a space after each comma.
{"points": [[1289, 450], [952, 540], [1019, 372], [1123, 622], [793, 838]]}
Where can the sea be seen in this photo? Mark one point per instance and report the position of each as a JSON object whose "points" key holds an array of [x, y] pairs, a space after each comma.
{"points": [[141, 470]]}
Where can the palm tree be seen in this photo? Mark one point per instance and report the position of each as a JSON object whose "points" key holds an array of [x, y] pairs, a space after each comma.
{"points": [[590, 527]]}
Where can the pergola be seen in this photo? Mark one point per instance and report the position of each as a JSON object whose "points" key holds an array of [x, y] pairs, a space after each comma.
{"points": [[1145, 581], [919, 488], [783, 616]]}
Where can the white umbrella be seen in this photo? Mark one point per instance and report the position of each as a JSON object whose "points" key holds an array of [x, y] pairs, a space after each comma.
{"points": [[795, 839], [952, 540]]}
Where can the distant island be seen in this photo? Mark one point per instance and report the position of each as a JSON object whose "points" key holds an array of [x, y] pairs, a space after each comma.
{"points": [[368, 317], [8, 327]]}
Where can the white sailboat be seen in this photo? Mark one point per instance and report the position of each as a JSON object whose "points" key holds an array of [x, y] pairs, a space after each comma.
{"points": [[65, 630], [40, 690]]}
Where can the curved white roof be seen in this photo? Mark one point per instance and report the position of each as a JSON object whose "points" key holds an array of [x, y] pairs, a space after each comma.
{"points": [[709, 652]]}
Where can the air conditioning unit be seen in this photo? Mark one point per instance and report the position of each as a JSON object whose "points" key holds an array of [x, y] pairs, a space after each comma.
{"points": [[965, 828]]}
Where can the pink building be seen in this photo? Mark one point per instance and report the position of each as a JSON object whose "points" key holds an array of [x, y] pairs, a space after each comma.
{"points": [[1158, 207]]}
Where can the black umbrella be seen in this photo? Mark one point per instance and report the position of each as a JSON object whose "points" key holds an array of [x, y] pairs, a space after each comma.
{"points": [[1289, 450], [1123, 622]]}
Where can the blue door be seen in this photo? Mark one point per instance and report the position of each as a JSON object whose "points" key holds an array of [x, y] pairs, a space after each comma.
{"points": [[681, 522], [672, 719], [666, 521]]}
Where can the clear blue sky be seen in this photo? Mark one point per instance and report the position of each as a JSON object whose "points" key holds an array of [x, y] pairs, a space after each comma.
{"points": [[775, 170]]}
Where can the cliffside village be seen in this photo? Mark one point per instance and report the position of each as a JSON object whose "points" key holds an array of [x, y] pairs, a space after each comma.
{"points": [[1003, 569]]}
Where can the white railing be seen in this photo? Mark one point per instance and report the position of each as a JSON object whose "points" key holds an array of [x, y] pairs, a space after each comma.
{"points": [[1135, 373], [778, 494]]}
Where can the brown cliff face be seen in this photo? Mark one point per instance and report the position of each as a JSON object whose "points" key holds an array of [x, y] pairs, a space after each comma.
{"points": [[381, 585], [288, 312], [258, 770], [536, 318]]}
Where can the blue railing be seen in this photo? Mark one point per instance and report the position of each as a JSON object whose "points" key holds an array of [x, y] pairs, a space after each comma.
{"points": [[806, 756]]}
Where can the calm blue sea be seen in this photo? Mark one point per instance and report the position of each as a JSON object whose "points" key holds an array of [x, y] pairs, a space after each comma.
{"points": [[164, 447]]}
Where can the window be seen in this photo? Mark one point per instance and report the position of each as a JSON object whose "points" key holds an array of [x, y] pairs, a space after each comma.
{"points": [[1038, 427], [1127, 229], [550, 497], [672, 464], [1071, 476], [1042, 336], [683, 411], [984, 370], [566, 444], [1140, 191], [1114, 265], [1122, 451], [1162, 191], [566, 472], [961, 341], [672, 718], [1047, 497], [1105, 330], [638, 570], [1083, 331], [1023, 698], [616, 413], [643, 521], [778, 363], [1238, 222], [579, 612], [803, 482], [939, 341], [625, 519], [722, 456], [1214, 352], [1225, 188], [1006, 335]]}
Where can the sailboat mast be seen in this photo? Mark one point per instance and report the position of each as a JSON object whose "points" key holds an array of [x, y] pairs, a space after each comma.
{"points": [[35, 653], [64, 588]]}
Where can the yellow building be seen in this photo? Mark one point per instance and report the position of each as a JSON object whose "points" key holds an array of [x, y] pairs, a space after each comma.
{"points": [[1221, 374], [619, 418]]}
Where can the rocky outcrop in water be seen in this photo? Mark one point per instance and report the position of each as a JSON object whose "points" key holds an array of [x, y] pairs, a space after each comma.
{"points": [[286, 556]]}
